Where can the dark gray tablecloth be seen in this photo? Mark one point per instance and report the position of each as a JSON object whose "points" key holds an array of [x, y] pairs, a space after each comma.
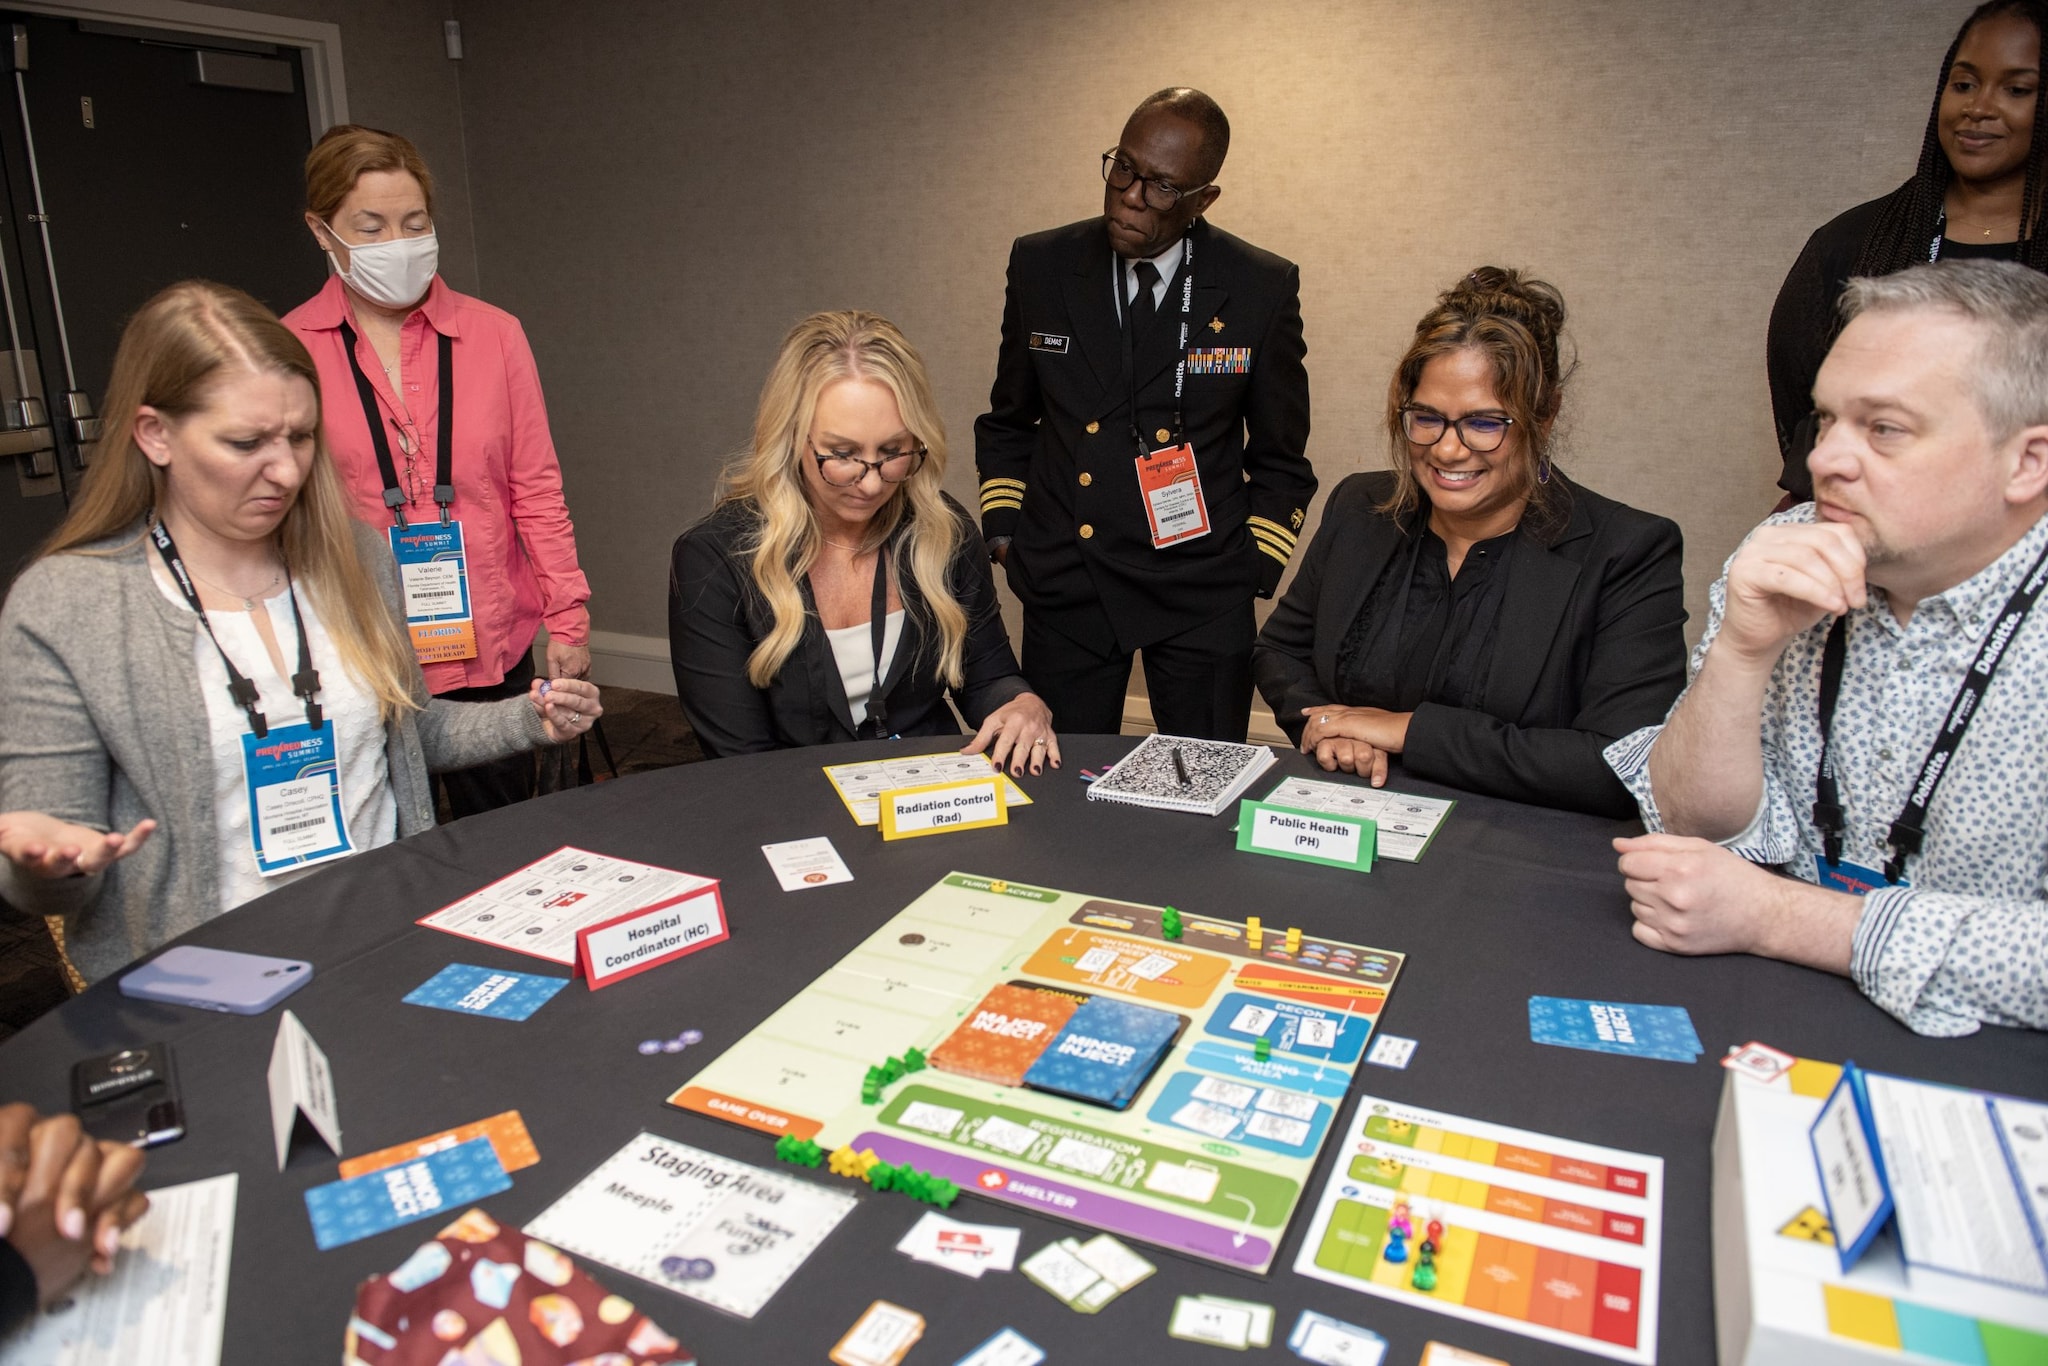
{"points": [[1509, 902]]}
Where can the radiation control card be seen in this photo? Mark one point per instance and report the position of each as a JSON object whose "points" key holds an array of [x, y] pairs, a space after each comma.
{"points": [[1156, 1074]]}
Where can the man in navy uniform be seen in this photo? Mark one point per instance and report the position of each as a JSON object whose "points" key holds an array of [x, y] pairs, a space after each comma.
{"points": [[1141, 462]]}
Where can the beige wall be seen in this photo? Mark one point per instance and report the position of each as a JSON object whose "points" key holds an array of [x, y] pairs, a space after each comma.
{"points": [[661, 188]]}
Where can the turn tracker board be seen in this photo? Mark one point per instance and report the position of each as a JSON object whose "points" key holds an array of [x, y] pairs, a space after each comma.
{"points": [[1026, 1000]]}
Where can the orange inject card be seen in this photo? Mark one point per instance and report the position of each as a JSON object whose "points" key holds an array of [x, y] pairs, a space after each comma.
{"points": [[1003, 1036], [507, 1132]]}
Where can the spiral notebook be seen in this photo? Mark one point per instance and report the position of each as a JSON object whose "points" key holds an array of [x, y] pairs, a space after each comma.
{"points": [[1209, 777]]}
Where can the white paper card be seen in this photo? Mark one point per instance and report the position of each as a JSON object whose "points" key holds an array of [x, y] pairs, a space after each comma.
{"points": [[1114, 1262], [671, 1214], [1219, 1325], [166, 1301], [539, 909], [1406, 824], [301, 1083], [798, 864], [1328, 1342], [1391, 1050], [1007, 1348]]}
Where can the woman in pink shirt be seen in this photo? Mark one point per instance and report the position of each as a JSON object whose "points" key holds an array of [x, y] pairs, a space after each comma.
{"points": [[463, 473]]}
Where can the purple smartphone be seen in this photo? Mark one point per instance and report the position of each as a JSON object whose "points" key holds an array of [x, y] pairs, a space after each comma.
{"points": [[217, 979]]}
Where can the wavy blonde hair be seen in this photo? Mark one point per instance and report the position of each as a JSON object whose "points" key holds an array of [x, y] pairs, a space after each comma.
{"points": [[820, 351], [172, 352]]}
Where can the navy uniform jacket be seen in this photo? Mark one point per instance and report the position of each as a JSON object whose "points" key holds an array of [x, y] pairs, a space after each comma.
{"points": [[1055, 455]]}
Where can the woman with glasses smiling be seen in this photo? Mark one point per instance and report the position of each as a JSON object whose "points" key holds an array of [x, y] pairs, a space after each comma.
{"points": [[836, 593], [1474, 611]]}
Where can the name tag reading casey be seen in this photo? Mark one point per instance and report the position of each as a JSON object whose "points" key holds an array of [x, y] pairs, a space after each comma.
{"points": [[970, 805], [295, 807], [616, 949], [1311, 836]]}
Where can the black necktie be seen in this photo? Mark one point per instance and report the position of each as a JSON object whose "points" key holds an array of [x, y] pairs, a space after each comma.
{"points": [[1145, 305]]}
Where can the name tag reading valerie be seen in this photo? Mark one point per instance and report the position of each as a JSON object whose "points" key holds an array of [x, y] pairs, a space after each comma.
{"points": [[934, 810], [615, 949], [1311, 836], [433, 571], [295, 808]]}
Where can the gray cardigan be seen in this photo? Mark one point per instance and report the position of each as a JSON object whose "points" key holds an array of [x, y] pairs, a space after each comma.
{"points": [[102, 724]]}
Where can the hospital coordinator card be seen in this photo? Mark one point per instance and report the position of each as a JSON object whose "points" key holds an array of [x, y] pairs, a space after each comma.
{"points": [[539, 909]]}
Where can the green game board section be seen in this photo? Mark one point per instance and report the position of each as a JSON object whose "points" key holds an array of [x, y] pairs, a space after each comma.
{"points": [[1398, 1131], [1272, 1196], [1351, 1244], [2005, 1345], [1377, 1171], [1001, 888]]}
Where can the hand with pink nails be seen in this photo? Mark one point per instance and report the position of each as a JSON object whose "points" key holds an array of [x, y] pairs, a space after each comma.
{"points": [[65, 1197]]}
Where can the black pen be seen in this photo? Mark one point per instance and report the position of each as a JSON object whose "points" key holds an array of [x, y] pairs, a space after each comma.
{"points": [[1180, 766]]}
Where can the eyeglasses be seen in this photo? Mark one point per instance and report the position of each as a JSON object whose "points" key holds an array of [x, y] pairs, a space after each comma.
{"points": [[844, 469], [1479, 432], [1158, 194]]}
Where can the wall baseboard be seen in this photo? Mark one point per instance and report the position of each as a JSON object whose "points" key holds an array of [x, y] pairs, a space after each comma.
{"points": [[619, 660]]}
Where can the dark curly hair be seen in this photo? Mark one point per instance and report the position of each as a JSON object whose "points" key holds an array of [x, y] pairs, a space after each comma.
{"points": [[1517, 321]]}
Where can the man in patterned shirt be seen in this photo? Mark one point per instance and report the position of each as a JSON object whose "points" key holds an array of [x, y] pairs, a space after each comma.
{"points": [[1928, 540]]}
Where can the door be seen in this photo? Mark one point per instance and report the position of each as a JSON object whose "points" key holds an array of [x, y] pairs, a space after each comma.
{"points": [[129, 159]]}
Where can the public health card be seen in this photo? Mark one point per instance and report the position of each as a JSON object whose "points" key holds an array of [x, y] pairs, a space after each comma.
{"points": [[1405, 824], [468, 990], [1638, 1031], [693, 1222], [346, 1211]]}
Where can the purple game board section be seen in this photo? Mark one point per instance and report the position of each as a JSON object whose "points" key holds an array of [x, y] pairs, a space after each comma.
{"points": [[1105, 1212]]}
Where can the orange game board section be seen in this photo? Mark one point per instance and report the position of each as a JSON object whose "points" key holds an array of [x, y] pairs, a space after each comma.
{"points": [[1505, 1201], [1507, 1156]]}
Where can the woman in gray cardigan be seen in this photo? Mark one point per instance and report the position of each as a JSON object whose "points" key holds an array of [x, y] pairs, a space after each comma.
{"points": [[147, 668]]}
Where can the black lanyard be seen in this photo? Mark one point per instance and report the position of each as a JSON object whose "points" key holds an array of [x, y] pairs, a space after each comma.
{"points": [[1130, 330], [1910, 828], [878, 625], [1940, 231], [444, 439], [305, 683]]}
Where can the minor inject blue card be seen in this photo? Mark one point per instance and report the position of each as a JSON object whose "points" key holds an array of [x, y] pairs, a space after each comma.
{"points": [[1631, 1029], [362, 1206], [502, 995], [1104, 1052]]}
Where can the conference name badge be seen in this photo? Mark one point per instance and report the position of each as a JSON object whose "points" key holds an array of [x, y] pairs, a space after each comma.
{"points": [[625, 945], [1172, 487], [942, 807], [433, 574], [295, 808], [1310, 836], [1852, 878]]}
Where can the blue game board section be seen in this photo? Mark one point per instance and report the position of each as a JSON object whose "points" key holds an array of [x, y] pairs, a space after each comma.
{"points": [[1328, 1081], [502, 995], [1180, 1090], [1352, 1030], [1104, 1052], [345, 1211]]}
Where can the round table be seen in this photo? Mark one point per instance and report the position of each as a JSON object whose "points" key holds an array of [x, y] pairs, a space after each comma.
{"points": [[1510, 901]]}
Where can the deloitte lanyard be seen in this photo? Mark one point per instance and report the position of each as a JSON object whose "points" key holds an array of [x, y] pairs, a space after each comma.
{"points": [[1180, 367], [444, 438], [305, 683], [1910, 828]]}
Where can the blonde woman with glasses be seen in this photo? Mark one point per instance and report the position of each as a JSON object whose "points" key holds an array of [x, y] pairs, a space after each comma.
{"points": [[836, 593]]}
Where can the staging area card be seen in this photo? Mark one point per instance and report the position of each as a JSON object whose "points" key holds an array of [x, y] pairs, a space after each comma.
{"points": [[693, 1222]]}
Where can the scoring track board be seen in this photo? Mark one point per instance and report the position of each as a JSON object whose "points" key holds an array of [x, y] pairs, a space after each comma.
{"points": [[1211, 1156]]}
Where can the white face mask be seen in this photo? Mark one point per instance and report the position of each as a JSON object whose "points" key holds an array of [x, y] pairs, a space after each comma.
{"points": [[395, 274]]}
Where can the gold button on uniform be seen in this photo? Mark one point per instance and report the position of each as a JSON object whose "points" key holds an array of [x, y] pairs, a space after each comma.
{"points": [[1094, 427], [1086, 531], [1163, 434], [1086, 479]]}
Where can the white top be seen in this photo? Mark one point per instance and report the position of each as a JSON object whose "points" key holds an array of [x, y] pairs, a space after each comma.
{"points": [[853, 648], [367, 801], [1167, 262]]}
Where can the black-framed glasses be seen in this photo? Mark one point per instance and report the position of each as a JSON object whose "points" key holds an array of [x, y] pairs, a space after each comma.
{"points": [[1478, 432], [1158, 194], [843, 469]]}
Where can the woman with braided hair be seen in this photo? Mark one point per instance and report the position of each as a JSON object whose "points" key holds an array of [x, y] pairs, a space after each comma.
{"points": [[1472, 610], [1979, 192]]}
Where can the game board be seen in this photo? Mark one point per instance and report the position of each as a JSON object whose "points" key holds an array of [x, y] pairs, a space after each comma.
{"points": [[1542, 1236], [1211, 1154]]}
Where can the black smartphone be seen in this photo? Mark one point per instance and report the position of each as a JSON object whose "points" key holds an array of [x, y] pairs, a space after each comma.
{"points": [[130, 1097]]}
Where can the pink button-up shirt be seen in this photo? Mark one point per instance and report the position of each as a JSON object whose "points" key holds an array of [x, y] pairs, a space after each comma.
{"points": [[508, 483]]}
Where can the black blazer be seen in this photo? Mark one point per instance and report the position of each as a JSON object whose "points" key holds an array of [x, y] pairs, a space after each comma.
{"points": [[1591, 646], [716, 616], [1054, 451]]}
